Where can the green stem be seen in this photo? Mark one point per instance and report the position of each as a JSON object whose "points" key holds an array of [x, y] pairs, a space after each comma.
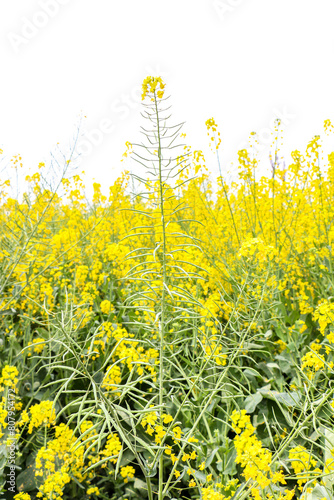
{"points": [[149, 488], [164, 277]]}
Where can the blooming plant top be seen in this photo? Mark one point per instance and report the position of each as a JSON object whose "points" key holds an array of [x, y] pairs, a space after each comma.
{"points": [[212, 127], [150, 85]]}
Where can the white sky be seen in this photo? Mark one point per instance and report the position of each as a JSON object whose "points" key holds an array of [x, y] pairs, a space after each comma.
{"points": [[240, 61]]}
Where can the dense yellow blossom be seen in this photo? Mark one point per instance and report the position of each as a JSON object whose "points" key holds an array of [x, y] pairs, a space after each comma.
{"points": [[150, 86], [302, 462], [93, 491], [112, 379], [37, 346], [9, 376], [313, 361], [127, 473], [255, 460], [3, 416], [106, 307], [41, 414], [112, 448]]}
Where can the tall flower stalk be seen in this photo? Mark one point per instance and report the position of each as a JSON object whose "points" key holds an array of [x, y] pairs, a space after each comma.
{"points": [[162, 170]]}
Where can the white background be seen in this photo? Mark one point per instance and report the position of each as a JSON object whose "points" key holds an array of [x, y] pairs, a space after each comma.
{"points": [[239, 61]]}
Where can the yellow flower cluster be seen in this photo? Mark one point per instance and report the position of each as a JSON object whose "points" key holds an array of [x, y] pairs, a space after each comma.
{"points": [[112, 379], [64, 459], [22, 496], [210, 494], [112, 448], [93, 490], [219, 491], [153, 423], [150, 85], [56, 462], [41, 414], [302, 463], [8, 384], [106, 307], [254, 248], [128, 150], [3, 416], [9, 376], [328, 127], [324, 314], [127, 473], [52, 489], [313, 359], [38, 346], [212, 127], [253, 458]]}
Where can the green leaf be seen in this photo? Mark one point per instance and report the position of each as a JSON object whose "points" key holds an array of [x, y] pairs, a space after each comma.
{"points": [[230, 466], [284, 363], [318, 493], [265, 390], [273, 365], [200, 476], [140, 485], [252, 401], [211, 457], [252, 373], [3, 461], [288, 399], [26, 480]]}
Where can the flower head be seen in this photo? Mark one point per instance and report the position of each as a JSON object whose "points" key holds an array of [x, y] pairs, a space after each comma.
{"points": [[150, 86]]}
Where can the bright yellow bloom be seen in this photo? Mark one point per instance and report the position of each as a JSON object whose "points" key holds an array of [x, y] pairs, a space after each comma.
{"points": [[106, 307], [302, 463], [9, 376], [127, 473], [36, 348], [112, 379], [150, 85], [41, 414], [22, 496], [167, 418], [93, 490], [112, 448]]}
